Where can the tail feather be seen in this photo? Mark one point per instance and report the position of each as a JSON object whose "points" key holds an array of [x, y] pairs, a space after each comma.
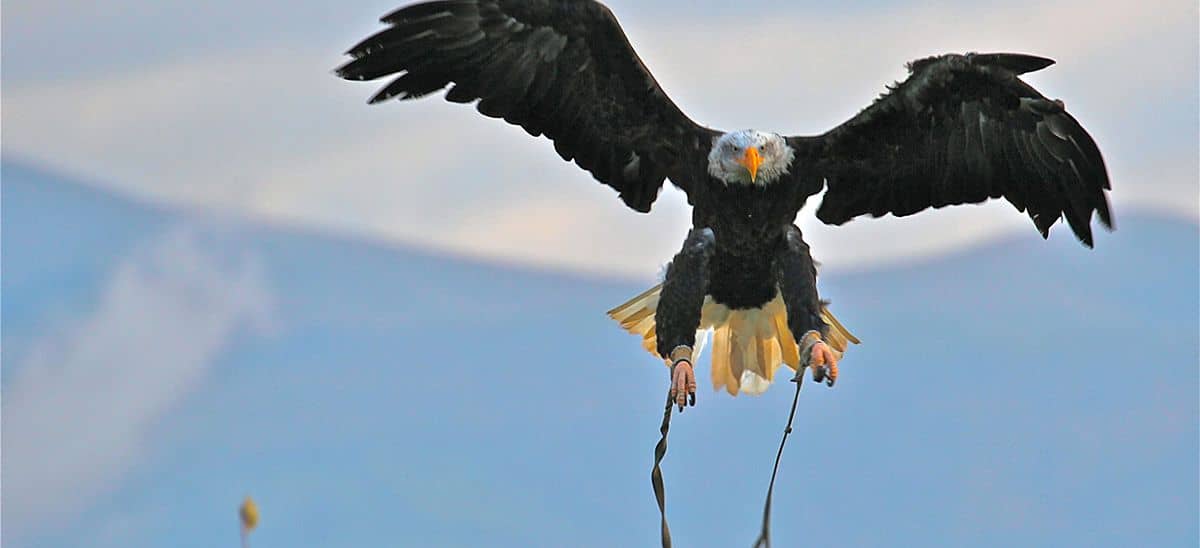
{"points": [[637, 317], [737, 342], [644, 325], [769, 350], [650, 341], [722, 374], [737, 356], [646, 301], [748, 346], [840, 338], [791, 350]]}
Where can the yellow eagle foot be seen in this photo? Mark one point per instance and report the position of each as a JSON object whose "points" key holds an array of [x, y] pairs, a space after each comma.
{"points": [[823, 361], [820, 357], [683, 377]]}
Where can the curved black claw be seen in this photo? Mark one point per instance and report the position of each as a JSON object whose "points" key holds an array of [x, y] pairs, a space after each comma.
{"points": [[819, 373]]}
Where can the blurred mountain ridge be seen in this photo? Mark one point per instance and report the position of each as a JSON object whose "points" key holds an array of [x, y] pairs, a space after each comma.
{"points": [[1023, 392]]}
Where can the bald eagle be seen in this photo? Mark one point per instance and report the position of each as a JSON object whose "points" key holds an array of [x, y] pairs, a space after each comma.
{"points": [[960, 129]]}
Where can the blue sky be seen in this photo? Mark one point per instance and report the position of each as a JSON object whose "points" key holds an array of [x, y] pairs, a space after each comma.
{"points": [[158, 365], [232, 106]]}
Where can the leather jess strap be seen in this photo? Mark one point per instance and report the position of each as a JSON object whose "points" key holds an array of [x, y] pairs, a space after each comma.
{"points": [[660, 451]]}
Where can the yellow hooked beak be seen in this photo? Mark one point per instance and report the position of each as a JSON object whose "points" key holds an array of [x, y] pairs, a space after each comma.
{"points": [[751, 160]]}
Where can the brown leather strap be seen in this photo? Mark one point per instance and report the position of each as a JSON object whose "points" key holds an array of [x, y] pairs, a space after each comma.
{"points": [[764, 537], [656, 478], [660, 451]]}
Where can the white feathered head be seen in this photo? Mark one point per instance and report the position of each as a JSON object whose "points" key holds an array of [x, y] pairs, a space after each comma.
{"points": [[749, 157]]}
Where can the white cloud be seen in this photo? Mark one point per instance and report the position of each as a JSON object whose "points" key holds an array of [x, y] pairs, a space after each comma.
{"points": [[272, 133], [82, 406]]}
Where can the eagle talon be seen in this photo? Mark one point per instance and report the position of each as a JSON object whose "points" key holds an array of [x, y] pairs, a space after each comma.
{"points": [[683, 384], [823, 361]]}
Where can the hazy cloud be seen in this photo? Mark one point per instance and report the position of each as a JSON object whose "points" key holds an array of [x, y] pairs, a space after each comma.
{"points": [[80, 411], [262, 127]]}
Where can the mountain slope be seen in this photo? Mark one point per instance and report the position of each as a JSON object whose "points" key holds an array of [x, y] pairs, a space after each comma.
{"points": [[1022, 393]]}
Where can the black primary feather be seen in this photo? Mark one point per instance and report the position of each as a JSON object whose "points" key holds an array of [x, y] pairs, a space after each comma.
{"points": [[563, 69], [962, 129]]}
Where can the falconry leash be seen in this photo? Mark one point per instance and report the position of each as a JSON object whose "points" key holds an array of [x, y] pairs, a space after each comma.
{"points": [[660, 451]]}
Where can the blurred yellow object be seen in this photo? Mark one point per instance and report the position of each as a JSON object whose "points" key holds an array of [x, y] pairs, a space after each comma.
{"points": [[249, 514]]}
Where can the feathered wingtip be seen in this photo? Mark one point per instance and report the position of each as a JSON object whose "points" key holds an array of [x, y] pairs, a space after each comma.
{"points": [[1017, 63]]}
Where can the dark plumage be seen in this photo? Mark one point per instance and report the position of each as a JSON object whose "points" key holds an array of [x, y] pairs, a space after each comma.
{"points": [[560, 69], [960, 129]]}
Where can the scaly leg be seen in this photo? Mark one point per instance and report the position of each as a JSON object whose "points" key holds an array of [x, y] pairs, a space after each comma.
{"points": [[797, 276], [679, 307]]}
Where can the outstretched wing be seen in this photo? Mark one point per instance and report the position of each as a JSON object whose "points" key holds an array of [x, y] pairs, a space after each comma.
{"points": [[961, 129], [560, 69]]}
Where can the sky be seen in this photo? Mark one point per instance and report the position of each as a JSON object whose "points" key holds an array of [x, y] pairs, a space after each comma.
{"points": [[163, 317], [160, 365], [233, 107]]}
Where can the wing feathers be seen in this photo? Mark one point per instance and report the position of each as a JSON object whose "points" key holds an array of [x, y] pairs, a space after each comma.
{"points": [[1015, 62], [963, 129], [560, 69]]}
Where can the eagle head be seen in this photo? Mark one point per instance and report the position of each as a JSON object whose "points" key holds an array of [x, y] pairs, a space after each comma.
{"points": [[749, 157]]}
